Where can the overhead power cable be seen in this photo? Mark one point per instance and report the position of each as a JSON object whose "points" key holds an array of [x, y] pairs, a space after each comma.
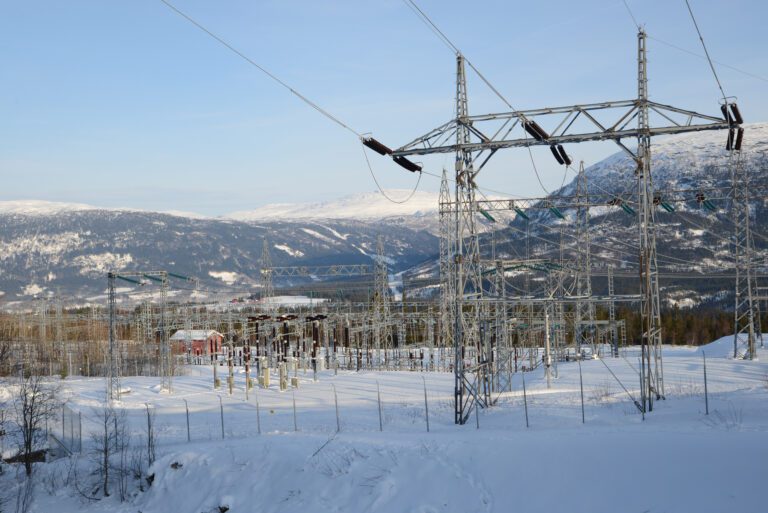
{"points": [[689, 52], [631, 14], [292, 91], [262, 69], [381, 189], [706, 52], [724, 65]]}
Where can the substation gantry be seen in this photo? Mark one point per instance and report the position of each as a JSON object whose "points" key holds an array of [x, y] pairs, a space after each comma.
{"points": [[474, 139]]}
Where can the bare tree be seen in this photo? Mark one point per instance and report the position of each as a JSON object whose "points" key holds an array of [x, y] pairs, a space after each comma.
{"points": [[34, 402], [5, 355], [109, 450]]}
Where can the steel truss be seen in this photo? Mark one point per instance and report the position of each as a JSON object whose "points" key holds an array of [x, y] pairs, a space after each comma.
{"points": [[478, 137]]}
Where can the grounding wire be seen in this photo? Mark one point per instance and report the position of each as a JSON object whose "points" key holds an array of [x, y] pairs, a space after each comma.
{"points": [[706, 52], [450, 44], [724, 65], [292, 90], [261, 68], [631, 14]]}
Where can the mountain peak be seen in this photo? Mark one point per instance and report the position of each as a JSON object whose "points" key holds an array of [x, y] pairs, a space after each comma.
{"points": [[369, 205]]}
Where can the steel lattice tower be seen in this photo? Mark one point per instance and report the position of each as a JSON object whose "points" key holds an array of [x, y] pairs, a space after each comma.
{"points": [[447, 261], [484, 135], [745, 308], [585, 311], [381, 310], [471, 381], [267, 290], [650, 309], [113, 365]]}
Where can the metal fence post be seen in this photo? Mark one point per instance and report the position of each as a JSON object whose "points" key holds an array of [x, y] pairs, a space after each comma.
{"points": [[426, 404], [221, 408], [186, 406], [706, 392], [378, 396]]}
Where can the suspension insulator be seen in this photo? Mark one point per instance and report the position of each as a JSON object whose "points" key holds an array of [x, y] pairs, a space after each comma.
{"points": [[488, 216], [563, 154], [726, 115], [739, 137], [376, 146], [535, 130], [522, 214], [731, 134], [554, 151], [407, 164], [736, 114]]}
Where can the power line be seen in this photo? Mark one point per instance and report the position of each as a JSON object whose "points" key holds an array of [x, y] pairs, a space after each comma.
{"points": [[631, 15], [262, 69], [381, 190], [724, 65], [706, 52], [294, 92]]}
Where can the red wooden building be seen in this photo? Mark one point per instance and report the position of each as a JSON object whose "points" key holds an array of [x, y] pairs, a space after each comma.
{"points": [[197, 342]]}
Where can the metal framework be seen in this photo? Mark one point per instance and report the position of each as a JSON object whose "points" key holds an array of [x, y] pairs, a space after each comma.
{"points": [[322, 271], [746, 313], [478, 137]]}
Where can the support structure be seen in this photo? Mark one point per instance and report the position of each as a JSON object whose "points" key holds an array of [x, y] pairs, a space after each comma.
{"points": [[471, 380], [746, 313], [584, 320], [113, 367], [478, 137], [650, 309]]}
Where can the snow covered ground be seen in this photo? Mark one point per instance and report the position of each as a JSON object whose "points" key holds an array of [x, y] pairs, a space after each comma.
{"points": [[676, 460]]}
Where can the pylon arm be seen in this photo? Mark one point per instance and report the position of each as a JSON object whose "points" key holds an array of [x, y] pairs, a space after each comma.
{"points": [[669, 120], [321, 271]]}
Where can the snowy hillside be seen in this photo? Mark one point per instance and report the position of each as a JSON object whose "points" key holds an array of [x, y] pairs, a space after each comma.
{"points": [[692, 238], [366, 206], [52, 248], [252, 454]]}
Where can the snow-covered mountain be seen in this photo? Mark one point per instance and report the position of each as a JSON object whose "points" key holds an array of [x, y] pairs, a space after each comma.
{"points": [[693, 238], [68, 248], [45, 247], [415, 210], [366, 206]]}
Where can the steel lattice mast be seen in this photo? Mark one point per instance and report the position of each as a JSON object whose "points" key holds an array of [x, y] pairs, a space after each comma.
{"points": [[478, 137], [447, 262], [650, 310], [471, 380], [584, 313], [745, 308], [113, 367], [267, 290]]}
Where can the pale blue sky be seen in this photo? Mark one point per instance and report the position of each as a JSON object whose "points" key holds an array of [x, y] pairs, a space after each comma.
{"points": [[124, 103]]}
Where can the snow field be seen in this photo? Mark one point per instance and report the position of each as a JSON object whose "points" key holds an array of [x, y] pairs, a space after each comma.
{"points": [[676, 460]]}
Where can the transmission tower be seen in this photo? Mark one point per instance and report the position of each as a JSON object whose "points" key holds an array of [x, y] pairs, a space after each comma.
{"points": [[479, 137], [612, 315], [447, 262], [650, 310], [471, 380], [113, 365], [584, 311], [381, 310], [267, 290], [745, 311]]}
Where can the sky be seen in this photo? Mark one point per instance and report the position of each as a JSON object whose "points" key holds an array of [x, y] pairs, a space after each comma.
{"points": [[127, 104]]}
